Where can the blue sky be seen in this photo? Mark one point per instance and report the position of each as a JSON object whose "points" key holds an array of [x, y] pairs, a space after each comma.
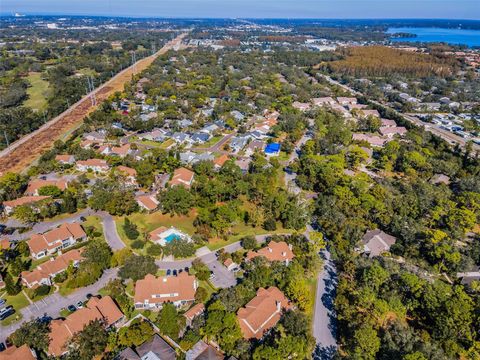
{"points": [[451, 9]]}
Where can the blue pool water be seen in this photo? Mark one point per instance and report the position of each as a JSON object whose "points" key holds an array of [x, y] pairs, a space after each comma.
{"points": [[172, 237], [451, 36]]}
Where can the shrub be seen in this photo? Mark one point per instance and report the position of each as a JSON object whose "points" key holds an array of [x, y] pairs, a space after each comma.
{"points": [[270, 224], [249, 242], [154, 250], [130, 229], [42, 290], [138, 244]]}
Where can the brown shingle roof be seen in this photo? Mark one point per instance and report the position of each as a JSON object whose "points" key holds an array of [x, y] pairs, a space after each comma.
{"points": [[194, 311], [182, 176], [262, 312], [172, 288]]}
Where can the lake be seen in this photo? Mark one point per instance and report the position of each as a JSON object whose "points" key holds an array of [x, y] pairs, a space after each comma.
{"points": [[451, 36]]}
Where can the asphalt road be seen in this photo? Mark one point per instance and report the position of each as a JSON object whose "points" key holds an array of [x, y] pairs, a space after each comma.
{"points": [[53, 304], [110, 231]]}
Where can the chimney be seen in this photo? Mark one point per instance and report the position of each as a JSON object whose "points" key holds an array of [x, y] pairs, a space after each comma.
{"points": [[279, 305], [284, 253], [270, 249]]}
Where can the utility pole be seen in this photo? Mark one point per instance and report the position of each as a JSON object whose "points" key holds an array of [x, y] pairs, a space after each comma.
{"points": [[91, 89], [134, 62]]}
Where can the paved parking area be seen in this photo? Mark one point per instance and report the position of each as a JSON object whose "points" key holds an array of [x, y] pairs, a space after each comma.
{"points": [[222, 278]]}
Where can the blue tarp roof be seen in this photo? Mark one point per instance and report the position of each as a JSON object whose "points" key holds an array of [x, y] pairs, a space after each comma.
{"points": [[272, 148]]}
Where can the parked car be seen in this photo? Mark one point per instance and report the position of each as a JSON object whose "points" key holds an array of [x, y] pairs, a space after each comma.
{"points": [[71, 308], [169, 272], [79, 305], [89, 296], [174, 272], [2, 347], [7, 313], [3, 302]]}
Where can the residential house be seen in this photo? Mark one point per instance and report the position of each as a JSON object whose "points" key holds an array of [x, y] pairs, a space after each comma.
{"points": [[147, 202], [375, 242], [193, 312], [243, 164], [44, 273], [185, 123], [440, 179], [154, 349], [11, 205], [390, 132], [373, 140], [323, 101], [274, 251], [129, 174], [200, 137], [151, 292], [18, 353], [238, 143], [163, 235], [344, 101], [218, 162], [37, 184], [60, 238], [120, 151], [366, 113], [262, 312], [230, 265], [61, 331], [180, 138], [388, 123], [97, 165], [97, 136], [237, 115], [255, 145], [65, 159], [203, 351], [466, 278], [183, 177], [210, 129], [301, 106]]}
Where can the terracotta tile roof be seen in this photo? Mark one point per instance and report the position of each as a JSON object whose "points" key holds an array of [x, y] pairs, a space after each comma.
{"points": [[274, 251], [24, 200], [4, 244], [182, 176], [93, 163], [373, 140], [52, 267], [262, 312], [21, 353], [50, 239], [150, 202], [128, 171], [221, 160], [194, 311], [36, 184], [121, 150], [64, 158], [389, 130], [96, 309], [156, 233], [228, 262], [165, 288]]}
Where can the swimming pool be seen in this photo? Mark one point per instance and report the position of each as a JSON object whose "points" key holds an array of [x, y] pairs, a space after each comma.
{"points": [[172, 237]]}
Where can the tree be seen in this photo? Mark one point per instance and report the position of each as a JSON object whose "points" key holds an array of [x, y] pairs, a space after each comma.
{"points": [[136, 334], [130, 229], [202, 272], [25, 213], [179, 248], [99, 253], [155, 250], [12, 287], [91, 341], [117, 290], [33, 333], [299, 291], [201, 295], [249, 242], [169, 321], [137, 267], [50, 190], [222, 326], [12, 186], [176, 200], [367, 342]]}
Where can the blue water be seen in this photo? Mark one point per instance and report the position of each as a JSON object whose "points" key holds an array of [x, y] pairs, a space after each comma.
{"points": [[452, 36], [172, 237]]}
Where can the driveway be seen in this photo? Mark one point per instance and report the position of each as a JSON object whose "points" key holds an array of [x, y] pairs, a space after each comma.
{"points": [[221, 276], [110, 231], [52, 304]]}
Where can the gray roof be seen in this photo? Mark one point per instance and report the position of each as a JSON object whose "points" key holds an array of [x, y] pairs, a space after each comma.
{"points": [[203, 351], [127, 354], [376, 242], [159, 347]]}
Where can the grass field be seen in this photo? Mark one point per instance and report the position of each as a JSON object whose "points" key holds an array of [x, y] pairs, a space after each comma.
{"points": [[38, 92], [96, 222], [18, 302]]}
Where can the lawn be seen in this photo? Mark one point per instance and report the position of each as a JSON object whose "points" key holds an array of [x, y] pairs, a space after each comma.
{"points": [[37, 92], [96, 222], [207, 286], [313, 291], [18, 302], [167, 143], [212, 141]]}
